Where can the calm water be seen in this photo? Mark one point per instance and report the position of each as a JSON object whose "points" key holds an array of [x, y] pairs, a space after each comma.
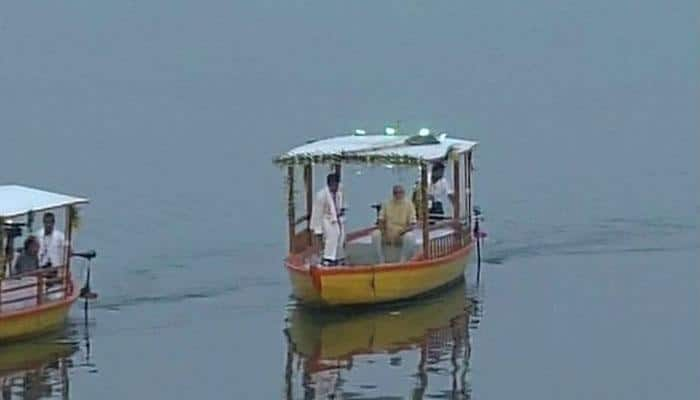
{"points": [[167, 114]]}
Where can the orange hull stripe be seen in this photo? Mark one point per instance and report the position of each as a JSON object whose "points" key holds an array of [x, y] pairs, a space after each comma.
{"points": [[40, 309], [359, 269]]}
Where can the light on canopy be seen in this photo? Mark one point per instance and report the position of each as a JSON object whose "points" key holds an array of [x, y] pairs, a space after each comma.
{"points": [[360, 132], [424, 132], [390, 131]]}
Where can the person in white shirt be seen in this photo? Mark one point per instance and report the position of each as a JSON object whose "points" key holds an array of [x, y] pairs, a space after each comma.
{"points": [[439, 191], [52, 243], [327, 220]]}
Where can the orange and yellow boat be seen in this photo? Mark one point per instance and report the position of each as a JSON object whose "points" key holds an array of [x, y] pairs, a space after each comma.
{"points": [[443, 243], [36, 301]]}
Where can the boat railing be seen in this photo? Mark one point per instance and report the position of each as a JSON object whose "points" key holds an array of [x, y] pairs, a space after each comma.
{"points": [[446, 244], [301, 241], [300, 238], [438, 246], [34, 288]]}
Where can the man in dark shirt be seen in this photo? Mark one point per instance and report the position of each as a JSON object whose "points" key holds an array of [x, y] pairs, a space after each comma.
{"points": [[28, 260]]}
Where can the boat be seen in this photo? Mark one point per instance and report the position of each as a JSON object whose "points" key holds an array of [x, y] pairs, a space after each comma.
{"points": [[36, 369], [444, 245], [328, 351], [36, 302]]}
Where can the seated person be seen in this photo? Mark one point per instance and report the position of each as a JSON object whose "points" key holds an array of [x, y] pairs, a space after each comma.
{"points": [[396, 221], [28, 259]]}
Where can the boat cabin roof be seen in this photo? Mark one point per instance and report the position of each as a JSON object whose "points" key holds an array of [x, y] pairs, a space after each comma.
{"points": [[376, 149], [18, 200]]}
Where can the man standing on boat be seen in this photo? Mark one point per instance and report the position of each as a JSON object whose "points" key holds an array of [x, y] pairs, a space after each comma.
{"points": [[327, 220], [52, 243], [439, 191], [396, 221]]}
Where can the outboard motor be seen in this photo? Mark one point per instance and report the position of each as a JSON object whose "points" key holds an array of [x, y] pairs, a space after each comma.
{"points": [[478, 235]]}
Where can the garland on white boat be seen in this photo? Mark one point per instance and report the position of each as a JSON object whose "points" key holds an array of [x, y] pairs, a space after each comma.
{"points": [[376, 149]]}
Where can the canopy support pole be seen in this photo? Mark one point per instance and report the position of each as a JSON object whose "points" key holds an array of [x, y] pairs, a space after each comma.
{"points": [[290, 206], [458, 189], [67, 251], [424, 209], [69, 235], [468, 179], [3, 250], [338, 169], [309, 185]]}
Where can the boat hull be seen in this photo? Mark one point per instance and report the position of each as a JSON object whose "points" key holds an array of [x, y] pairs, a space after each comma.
{"points": [[34, 321], [357, 285]]}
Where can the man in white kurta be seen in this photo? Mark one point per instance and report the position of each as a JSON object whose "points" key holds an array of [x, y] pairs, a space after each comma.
{"points": [[52, 243], [327, 220], [439, 191]]}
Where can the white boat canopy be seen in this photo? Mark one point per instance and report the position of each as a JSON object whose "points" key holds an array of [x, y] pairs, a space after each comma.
{"points": [[376, 149], [19, 200]]}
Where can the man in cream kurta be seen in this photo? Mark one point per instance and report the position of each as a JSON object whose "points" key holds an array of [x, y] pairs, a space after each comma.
{"points": [[396, 221], [327, 220]]}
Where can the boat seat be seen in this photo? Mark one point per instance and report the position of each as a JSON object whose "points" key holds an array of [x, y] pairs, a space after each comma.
{"points": [[360, 251], [365, 254], [438, 217], [432, 217], [434, 233]]}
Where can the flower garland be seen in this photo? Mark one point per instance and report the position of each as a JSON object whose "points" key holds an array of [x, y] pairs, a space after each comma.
{"points": [[75, 219], [395, 159], [2, 248], [287, 202], [363, 157]]}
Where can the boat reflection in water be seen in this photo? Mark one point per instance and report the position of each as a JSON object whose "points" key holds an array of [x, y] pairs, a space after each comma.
{"points": [[411, 350], [35, 370]]}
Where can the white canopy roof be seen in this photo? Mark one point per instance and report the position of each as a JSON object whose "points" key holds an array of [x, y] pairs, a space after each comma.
{"points": [[19, 200], [373, 148]]}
